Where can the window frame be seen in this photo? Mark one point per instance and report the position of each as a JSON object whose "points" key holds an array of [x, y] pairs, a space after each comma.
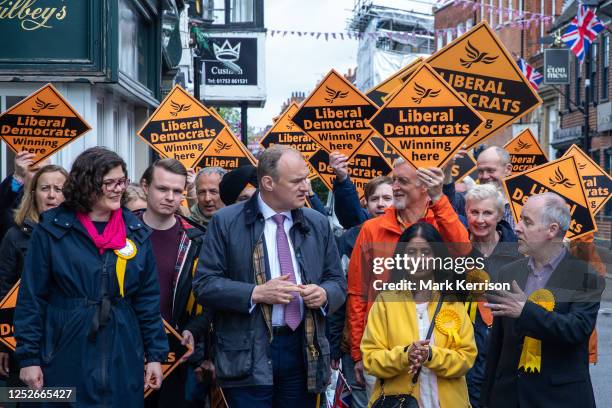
{"points": [[577, 81], [257, 23], [592, 74], [150, 88], [605, 67]]}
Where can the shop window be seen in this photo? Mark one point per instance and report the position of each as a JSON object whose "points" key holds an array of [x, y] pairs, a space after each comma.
{"points": [[135, 33]]}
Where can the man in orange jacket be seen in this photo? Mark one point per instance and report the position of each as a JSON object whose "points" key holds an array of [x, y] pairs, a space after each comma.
{"points": [[417, 197]]}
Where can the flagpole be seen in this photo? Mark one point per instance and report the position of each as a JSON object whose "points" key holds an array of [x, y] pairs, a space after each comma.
{"points": [[587, 86], [522, 15]]}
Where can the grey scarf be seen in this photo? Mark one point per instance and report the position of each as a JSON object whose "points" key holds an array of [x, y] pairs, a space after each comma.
{"points": [[198, 217]]}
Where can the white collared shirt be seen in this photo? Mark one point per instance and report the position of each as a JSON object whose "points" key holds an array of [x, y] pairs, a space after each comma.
{"points": [[428, 391], [278, 311]]}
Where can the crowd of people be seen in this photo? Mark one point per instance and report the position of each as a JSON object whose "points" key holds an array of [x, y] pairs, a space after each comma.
{"points": [[269, 296]]}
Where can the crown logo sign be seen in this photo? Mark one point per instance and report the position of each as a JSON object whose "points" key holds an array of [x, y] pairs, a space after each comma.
{"points": [[226, 52]]}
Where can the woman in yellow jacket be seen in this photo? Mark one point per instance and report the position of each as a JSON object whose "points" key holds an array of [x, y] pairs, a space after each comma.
{"points": [[394, 344]]}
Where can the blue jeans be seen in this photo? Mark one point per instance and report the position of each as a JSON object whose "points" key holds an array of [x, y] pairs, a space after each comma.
{"points": [[289, 370]]}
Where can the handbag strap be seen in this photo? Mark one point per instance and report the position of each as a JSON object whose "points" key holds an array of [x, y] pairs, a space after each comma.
{"points": [[432, 324]]}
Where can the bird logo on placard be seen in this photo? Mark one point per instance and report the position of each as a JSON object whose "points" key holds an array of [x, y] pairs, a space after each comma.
{"points": [[423, 93], [476, 56], [42, 105], [178, 108], [333, 94], [222, 146], [290, 126], [560, 179], [582, 166], [521, 146]]}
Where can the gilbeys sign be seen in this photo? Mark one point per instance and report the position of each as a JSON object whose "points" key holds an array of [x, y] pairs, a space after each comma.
{"points": [[55, 37]]}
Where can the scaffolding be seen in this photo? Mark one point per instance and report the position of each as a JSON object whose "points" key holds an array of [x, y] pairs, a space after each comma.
{"points": [[404, 30]]}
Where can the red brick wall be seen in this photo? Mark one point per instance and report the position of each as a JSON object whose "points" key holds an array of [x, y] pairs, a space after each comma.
{"points": [[452, 15]]}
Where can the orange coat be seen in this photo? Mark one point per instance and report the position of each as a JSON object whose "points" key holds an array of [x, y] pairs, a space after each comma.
{"points": [[378, 238]]}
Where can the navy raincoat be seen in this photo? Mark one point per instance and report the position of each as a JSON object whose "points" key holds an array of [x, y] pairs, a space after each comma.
{"points": [[71, 320]]}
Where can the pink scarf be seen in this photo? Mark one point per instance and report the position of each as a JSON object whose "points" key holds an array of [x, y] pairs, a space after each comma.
{"points": [[114, 234]]}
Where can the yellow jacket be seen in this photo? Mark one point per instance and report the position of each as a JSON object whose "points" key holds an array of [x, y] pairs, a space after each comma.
{"points": [[392, 326]]}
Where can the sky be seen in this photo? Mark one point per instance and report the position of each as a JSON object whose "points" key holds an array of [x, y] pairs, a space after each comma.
{"points": [[297, 63]]}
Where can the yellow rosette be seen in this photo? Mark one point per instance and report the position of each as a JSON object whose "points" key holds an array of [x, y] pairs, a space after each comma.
{"points": [[531, 356], [448, 323], [123, 255], [475, 276]]}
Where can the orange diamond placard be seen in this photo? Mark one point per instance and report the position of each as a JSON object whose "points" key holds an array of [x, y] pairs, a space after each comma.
{"points": [[597, 183], [7, 313], [287, 133], [335, 115], [426, 120], [226, 150], [525, 152], [42, 123], [463, 166], [181, 128], [387, 151], [480, 68], [380, 92], [363, 167], [560, 176], [176, 352]]}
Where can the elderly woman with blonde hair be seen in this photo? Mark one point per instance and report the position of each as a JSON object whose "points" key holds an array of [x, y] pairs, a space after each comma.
{"points": [[494, 241]]}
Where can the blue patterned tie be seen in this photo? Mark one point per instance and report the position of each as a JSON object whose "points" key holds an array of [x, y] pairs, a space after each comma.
{"points": [[292, 309]]}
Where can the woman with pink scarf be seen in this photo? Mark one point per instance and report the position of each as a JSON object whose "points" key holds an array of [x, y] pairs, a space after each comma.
{"points": [[87, 314]]}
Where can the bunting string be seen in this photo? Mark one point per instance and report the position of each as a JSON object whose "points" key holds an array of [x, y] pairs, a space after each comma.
{"points": [[510, 18], [354, 35]]}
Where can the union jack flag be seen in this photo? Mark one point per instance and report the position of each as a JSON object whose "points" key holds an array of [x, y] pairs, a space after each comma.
{"points": [[342, 396], [582, 31], [533, 76]]}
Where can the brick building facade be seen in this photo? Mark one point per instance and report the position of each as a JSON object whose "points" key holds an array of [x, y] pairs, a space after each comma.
{"points": [[518, 29], [596, 101], [559, 121]]}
